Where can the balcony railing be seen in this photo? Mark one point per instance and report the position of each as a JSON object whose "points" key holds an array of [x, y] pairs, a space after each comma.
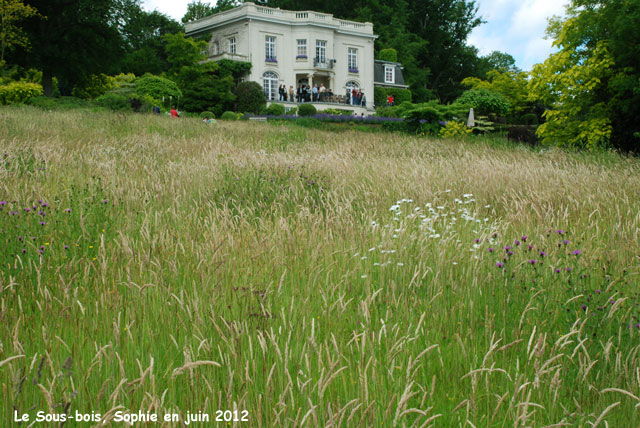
{"points": [[326, 64]]}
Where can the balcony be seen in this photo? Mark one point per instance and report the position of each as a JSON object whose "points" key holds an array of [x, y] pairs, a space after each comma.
{"points": [[324, 64]]}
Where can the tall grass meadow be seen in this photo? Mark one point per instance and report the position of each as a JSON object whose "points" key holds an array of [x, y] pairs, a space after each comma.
{"points": [[311, 278]]}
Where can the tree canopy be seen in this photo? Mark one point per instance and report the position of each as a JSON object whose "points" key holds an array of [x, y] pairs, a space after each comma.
{"points": [[592, 84]]}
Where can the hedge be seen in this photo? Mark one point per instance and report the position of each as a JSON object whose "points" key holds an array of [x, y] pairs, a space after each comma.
{"points": [[390, 55], [400, 95], [306, 110], [19, 92]]}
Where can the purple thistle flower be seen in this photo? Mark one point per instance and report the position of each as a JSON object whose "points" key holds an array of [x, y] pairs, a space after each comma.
{"points": [[476, 240], [42, 213], [542, 254], [558, 270], [490, 249], [66, 247], [43, 223], [584, 307], [568, 269], [598, 291], [532, 262], [516, 243], [637, 325], [40, 251], [42, 247], [566, 241], [507, 248], [45, 205], [105, 201], [495, 235], [509, 253], [576, 252], [27, 210], [612, 302], [500, 265], [560, 232], [68, 210], [524, 238]]}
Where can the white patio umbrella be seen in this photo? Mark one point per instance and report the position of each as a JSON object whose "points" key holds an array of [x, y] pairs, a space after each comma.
{"points": [[471, 122]]}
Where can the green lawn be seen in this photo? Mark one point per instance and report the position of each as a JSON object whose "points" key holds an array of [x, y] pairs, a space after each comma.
{"points": [[312, 278]]}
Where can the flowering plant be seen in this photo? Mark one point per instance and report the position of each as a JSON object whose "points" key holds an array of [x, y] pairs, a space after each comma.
{"points": [[353, 69], [271, 60]]}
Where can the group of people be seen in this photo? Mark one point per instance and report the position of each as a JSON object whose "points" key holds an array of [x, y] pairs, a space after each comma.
{"points": [[306, 94], [356, 97]]}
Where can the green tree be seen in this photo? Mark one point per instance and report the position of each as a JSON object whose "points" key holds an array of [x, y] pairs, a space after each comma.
{"points": [[76, 38], [11, 35], [197, 9], [182, 51], [144, 43], [512, 85], [250, 98], [204, 88], [592, 84]]}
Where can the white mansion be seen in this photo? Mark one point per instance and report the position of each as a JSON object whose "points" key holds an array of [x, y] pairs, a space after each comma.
{"points": [[296, 48]]}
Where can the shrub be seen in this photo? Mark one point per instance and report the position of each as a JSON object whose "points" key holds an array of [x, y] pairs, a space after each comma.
{"points": [[93, 86], [523, 133], [275, 110], [19, 92], [157, 87], [207, 114], [228, 115], [250, 97], [485, 101], [306, 110], [390, 55], [292, 111], [454, 129], [113, 101], [400, 95]]}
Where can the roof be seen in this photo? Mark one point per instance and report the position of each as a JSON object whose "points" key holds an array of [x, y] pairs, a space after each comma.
{"points": [[378, 74]]}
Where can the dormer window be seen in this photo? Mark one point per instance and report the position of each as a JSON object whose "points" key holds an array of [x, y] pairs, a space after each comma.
{"points": [[389, 74]]}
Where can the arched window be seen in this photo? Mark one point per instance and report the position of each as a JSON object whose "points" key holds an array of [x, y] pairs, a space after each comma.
{"points": [[270, 85], [352, 84]]}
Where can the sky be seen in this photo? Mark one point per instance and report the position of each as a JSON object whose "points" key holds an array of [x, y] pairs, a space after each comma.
{"points": [[516, 27]]}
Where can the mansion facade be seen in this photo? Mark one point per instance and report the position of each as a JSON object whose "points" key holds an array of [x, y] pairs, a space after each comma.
{"points": [[293, 48]]}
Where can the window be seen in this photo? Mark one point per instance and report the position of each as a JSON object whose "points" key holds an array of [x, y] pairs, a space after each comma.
{"points": [[232, 45], [270, 48], [352, 84], [270, 85], [352, 60], [389, 74], [321, 51], [216, 48], [302, 48]]}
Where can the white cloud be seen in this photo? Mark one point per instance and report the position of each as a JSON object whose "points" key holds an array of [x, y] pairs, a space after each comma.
{"points": [[173, 8], [517, 28]]}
